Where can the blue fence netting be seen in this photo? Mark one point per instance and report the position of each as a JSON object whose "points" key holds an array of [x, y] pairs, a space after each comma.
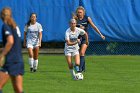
{"points": [[118, 20], [54, 15]]}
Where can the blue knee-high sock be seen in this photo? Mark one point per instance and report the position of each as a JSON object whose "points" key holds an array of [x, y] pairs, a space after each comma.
{"points": [[77, 68], [84, 67], [0, 91], [82, 63]]}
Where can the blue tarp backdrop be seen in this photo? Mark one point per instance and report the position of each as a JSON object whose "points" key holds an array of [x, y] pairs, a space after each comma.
{"points": [[118, 20]]}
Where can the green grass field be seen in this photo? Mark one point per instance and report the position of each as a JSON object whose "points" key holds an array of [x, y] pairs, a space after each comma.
{"points": [[104, 74]]}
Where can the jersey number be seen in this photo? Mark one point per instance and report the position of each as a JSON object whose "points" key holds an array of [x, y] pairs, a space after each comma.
{"points": [[18, 32]]}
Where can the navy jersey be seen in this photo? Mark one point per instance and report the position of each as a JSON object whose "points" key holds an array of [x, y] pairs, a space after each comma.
{"points": [[14, 55], [84, 22]]}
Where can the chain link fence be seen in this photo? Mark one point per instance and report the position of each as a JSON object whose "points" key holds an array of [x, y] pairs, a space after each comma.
{"points": [[113, 48], [94, 48], [99, 48]]}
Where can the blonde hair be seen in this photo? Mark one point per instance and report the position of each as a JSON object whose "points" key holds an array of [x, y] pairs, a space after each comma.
{"points": [[72, 20], [6, 16], [80, 8], [74, 16]]}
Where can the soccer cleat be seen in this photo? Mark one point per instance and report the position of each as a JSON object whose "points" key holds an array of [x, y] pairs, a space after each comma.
{"points": [[31, 69], [84, 70], [34, 70]]}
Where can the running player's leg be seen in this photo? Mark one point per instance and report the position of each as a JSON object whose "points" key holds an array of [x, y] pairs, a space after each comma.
{"points": [[77, 61], [4, 77], [17, 82], [70, 65], [82, 57], [31, 60], [35, 64]]}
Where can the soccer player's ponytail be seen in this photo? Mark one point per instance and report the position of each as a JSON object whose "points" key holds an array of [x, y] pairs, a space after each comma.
{"points": [[28, 23], [74, 16]]}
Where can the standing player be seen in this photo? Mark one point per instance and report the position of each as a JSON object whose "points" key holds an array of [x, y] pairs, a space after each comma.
{"points": [[71, 45], [13, 67], [32, 39], [82, 22]]}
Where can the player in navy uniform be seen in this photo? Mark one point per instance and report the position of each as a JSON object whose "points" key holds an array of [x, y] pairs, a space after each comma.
{"points": [[82, 22], [13, 66]]}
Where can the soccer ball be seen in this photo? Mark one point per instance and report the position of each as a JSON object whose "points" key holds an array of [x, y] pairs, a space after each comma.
{"points": [[79, 76]]}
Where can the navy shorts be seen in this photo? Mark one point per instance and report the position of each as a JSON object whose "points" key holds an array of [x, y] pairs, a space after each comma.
{"points": [[13, 69], [83, 40]]}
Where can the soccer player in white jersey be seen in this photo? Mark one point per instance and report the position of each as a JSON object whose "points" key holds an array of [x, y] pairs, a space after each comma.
{"points": [[71, 45], [32, 40]]}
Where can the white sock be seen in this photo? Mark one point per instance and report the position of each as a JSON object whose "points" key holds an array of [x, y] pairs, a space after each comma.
{"points": [[72, 73], [35, 64], [31, 60]]}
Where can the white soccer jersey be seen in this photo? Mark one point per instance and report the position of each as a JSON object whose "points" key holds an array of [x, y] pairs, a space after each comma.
{"points": [[73, 36], [32, 36]]}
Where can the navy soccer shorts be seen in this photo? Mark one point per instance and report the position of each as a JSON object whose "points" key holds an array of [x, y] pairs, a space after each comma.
{"points": [[13, 69]]}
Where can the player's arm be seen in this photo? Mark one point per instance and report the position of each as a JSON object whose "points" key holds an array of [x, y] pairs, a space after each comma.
{"points": [[40, 38], [67, 39], [40, 34], [95, 28], [8, 46], [69, 43], [6, 49], [82, 32]]}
